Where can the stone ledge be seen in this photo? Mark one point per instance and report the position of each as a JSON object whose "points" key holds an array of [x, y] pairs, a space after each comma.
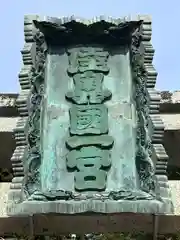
{"points": [[4, 188], [56, 224], [8, 99], [171, 97], [8, 124], [170, 102], [96, 206], [8, 104], [171, 121], [175, 193]]}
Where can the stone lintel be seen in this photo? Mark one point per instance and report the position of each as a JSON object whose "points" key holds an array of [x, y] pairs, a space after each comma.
{"points": [[56, 224]]}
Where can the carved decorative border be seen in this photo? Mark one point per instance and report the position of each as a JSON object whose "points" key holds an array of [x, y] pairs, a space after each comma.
{"points": [[31, 79], [144, 162], [32, 181], [156, 126], [148, 111]]}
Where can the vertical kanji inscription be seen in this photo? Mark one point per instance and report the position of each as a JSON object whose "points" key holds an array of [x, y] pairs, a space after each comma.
{"points": [[88, 117]]}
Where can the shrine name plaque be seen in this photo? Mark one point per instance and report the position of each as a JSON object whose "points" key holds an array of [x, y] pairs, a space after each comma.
{"points": [[88, 124]]}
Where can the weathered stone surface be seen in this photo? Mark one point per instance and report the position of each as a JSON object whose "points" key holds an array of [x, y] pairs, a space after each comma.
{"points": [[174, 188], [171, 121], [8, 105], [8, 124], [8, 100], [170, 102], [4, 189]]}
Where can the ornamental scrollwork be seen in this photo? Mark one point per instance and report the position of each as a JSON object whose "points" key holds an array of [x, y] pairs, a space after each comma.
{"points": [[32, 178], [144, 162]]}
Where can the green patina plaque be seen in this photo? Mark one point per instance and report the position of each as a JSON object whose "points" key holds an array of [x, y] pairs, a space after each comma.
{"points": [[88, 119], [87, 143]]}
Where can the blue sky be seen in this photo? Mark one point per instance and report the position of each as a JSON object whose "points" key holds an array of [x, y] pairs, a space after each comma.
{"points": [[165, 38]]}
